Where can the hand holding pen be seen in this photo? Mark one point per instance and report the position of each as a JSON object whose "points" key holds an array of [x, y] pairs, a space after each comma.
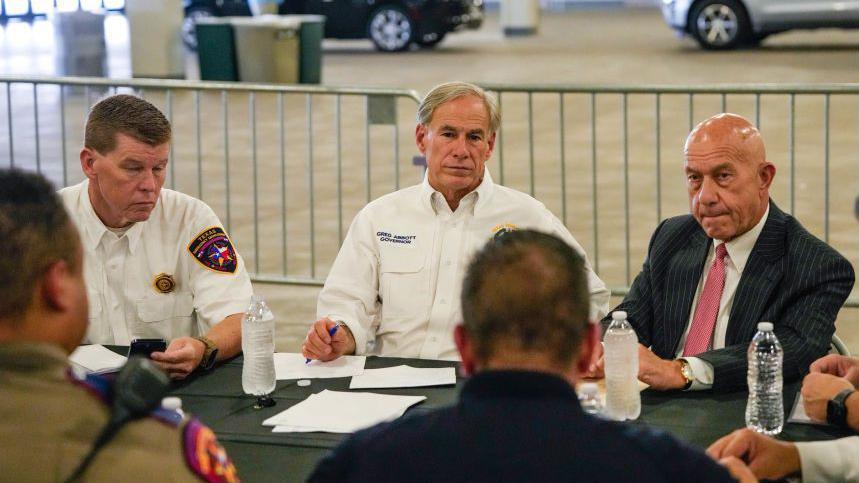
{"points": [[327, 340]]}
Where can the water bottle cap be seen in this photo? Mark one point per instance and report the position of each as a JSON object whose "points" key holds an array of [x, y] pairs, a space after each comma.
{"points": [[589, 389], [618, 315], [172, 403], [765, 326]]}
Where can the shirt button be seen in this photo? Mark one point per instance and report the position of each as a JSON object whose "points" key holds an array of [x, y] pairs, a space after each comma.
{"points": [[447, 263], [433, 339], [443, 301]]}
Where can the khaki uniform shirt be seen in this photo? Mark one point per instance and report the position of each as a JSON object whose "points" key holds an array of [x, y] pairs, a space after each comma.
{"points": [[176, 274], [49, 421]]}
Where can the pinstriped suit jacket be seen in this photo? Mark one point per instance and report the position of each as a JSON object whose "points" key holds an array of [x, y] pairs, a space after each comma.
{"points": [[791, 279]]}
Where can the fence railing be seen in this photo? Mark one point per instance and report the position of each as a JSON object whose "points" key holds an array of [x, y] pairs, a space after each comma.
{"points": [[287, 167]]}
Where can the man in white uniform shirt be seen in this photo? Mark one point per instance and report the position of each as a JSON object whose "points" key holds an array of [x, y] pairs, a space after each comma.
{"points": [[158, 263], [736, 260], [394, 288]]}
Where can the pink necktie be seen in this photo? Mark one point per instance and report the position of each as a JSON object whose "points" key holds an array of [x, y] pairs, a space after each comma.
{"points": [[707, 310]]}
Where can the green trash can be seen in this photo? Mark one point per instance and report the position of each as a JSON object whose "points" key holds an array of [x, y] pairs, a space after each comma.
{"points": [[311, 34], [216, 49]]}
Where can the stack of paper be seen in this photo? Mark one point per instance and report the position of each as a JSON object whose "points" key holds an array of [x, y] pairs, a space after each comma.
{"points": [[341, 412], [295, 366], [404, 376], [97, 359]]}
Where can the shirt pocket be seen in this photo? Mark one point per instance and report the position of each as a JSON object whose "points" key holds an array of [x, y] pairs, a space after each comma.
{"points": [[405, 282], [168, 316]]}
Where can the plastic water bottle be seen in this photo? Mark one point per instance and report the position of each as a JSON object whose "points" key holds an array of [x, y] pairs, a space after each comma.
{"points": [[258, 348], [622, 399], [173, 403], [589, 398], [765, 409]]}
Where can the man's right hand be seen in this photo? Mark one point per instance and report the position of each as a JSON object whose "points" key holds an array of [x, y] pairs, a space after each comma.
{"points": [[768, 458], [837, 365], [319, 345], [596, 368]]}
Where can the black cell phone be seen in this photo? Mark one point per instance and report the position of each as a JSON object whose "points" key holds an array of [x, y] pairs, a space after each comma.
{"points": [[145, 347]]}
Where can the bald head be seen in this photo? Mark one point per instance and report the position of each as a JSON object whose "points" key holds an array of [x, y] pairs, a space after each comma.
{"points": [[737, 136], [727, 175]]}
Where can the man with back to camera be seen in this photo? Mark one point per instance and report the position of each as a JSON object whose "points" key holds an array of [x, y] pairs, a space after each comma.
{"points": [[525, 340], [159, 264], [829, 394], [737, 260], [395, 283], [49, 419]]}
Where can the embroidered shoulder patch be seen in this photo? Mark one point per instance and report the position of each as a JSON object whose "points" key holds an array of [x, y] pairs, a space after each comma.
{"points": [[213, 249], [205, 456]]}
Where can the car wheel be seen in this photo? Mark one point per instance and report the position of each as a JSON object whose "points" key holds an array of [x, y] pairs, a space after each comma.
{"points": [[720, 24], [189, 25], [390, 29], [431, 40]]}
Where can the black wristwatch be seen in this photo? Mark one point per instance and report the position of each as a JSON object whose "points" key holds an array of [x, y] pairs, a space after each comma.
{"points": [[836, 410], [210, 355]]}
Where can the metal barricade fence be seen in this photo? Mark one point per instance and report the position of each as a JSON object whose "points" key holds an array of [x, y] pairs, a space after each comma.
{"points": [[609, 160], [285, 167]]}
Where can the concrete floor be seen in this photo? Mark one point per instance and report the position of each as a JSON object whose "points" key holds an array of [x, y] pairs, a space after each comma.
{"points": [[600, 47]]}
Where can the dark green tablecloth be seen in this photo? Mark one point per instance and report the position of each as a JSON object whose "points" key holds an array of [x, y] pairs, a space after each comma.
{"points": [[260, 455]]}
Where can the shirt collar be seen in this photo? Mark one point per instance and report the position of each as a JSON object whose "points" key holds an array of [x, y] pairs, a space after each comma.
{"points": [[430, 198], [96, 230], [741, 247]]}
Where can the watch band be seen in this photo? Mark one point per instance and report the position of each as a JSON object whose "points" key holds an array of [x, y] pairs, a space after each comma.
{"points": [[836, 410], [210, 355]]}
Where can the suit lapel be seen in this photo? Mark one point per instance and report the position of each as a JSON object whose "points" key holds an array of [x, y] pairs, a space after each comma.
{"points": [[760, 277], [685, 272]]}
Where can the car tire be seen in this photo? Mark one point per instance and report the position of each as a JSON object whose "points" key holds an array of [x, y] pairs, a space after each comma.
{"points": [[720, 24], [390, 29], [431, 40], [189, 25]]}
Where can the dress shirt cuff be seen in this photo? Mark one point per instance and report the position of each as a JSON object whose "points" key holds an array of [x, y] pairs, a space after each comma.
{"points": [[828, 461], [357, 333], [702, 374]]}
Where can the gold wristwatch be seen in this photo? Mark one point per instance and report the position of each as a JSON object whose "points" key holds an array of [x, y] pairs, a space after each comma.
{"points": [[210, 355], [686, 371]]}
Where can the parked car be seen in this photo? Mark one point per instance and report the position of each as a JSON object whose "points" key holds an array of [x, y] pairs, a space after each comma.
{"points": [[727, 24], [392, 25]]}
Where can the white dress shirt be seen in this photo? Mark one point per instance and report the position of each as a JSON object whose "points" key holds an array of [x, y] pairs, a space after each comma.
{"points": [[829, 461], [397, 280], [738, 250], [121, 270]]}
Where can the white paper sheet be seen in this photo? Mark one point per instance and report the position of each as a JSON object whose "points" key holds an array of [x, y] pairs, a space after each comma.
{"points": [[404, 376], [341, 412], [797, 415], [288, 365], [97, 359]]}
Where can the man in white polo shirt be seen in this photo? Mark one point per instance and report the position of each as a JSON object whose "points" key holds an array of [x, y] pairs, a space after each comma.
{"points": [[158, 263], [394, 287]]}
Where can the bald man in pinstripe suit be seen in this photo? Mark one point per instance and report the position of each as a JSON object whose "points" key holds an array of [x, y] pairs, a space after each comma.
{"points": [[737, 260]]}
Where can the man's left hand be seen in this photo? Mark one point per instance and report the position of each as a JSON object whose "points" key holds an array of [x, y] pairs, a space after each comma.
{"points": [[817, 390], [182, 356], [658, 373]]}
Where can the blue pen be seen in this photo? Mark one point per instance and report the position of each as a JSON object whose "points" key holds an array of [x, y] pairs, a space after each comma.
{"points": [[331, 333]]}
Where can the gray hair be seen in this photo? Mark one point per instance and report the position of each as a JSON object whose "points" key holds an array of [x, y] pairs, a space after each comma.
{"points": [[449, 91]]}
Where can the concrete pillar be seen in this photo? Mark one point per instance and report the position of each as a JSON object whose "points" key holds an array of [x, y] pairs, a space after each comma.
{"points": [[520, 17]]}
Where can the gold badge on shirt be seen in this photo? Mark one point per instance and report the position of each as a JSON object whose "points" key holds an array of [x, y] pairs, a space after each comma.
{"points": [[164, 283], [500, 230]]}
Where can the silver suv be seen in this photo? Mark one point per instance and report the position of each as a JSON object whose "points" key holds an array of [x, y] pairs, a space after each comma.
{"points": [[727, 24]]}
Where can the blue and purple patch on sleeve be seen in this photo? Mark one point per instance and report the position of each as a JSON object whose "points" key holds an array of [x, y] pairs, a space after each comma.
{"points": [[205, 456], [213, 249]]}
